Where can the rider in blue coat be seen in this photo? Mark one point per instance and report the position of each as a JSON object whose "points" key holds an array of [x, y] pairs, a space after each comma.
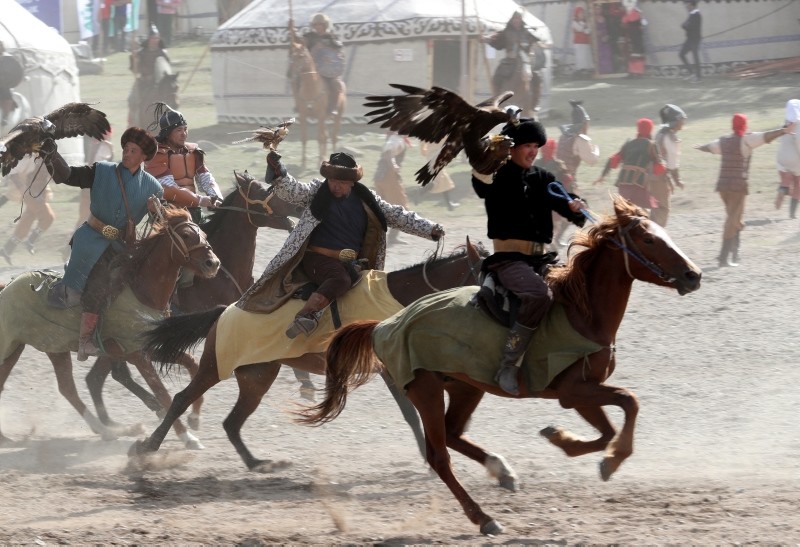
{"points": [[102, 237]]}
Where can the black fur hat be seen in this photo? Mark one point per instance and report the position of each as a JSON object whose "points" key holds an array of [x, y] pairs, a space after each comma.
{"points": [[528, 130], [341, 166]]}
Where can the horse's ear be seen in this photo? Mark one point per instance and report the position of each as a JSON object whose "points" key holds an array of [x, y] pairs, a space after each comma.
{"points": [[472, 252]]}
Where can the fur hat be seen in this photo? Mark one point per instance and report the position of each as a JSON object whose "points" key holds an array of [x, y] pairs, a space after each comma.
{"points": [[528, 130], [142, 139], [341, 166]]}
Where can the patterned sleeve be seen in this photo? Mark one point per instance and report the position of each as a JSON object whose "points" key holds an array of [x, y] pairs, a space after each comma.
{"points": [[406, 221], [292, 190]]}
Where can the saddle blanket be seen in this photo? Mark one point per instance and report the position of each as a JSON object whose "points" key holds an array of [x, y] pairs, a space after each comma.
{"points": [[244, 338], [26, 318], [444, 332]]}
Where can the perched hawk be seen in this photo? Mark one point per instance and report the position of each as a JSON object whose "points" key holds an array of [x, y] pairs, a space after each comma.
{"points": [[71, 120], [269, 137], [437, 114]]}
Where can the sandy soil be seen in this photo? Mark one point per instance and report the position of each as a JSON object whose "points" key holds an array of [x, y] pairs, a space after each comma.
{"points": [[715, 459]]}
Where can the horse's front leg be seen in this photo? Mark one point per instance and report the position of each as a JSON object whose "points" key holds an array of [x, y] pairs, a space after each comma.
{"points": [[322, 134], [587, 400]]}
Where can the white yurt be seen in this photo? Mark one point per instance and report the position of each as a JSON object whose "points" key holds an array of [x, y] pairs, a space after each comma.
{"points": [[50, 71], [414, 42]]}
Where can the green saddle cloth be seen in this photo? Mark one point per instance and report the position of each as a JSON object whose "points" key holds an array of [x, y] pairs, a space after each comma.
{"points": [[26, 318], [444, 332]]}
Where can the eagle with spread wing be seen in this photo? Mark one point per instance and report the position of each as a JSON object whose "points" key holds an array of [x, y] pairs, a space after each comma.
{"points": [[439, 115], [269, 137], [70, 120]]}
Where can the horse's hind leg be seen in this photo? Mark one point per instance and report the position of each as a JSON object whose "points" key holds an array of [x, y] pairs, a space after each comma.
{"points": [[191, 366], [5, 370], [426, 392], [464, 399], [62, 365], [96, 378], [307, 389], [254, 382], [409, 412]]}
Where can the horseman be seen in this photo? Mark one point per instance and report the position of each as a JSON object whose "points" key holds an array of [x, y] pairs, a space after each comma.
{"points": [[327, 52], [519, 212], [342, 230], [180, 166], [143, 66], [11, 74], [518, 42], [120, 197]]}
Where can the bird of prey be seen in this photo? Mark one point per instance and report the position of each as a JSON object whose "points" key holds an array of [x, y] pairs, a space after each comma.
{"points": [[437, 114], [490, 153], [269, 137], [70, 120]]}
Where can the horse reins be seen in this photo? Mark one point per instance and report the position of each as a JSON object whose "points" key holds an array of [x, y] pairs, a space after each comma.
{"points": [[471, 268]]}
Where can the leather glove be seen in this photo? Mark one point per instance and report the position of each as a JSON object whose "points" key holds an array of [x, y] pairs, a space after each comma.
{"points": [[275, 167], [437, 232], [47, 148]]}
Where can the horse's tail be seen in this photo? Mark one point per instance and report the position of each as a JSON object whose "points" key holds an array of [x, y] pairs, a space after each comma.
{"points": [[174, 336], [349, 364]]}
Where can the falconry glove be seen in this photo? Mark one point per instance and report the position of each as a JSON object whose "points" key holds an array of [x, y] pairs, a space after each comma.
{"points": [[275, 167], [55, 164]]}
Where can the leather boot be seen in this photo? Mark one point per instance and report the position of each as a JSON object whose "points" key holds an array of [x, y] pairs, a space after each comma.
{"points": [[32, 239], [514, 350], [307, 318], [793, 208], [8, 249], [86, 344]]}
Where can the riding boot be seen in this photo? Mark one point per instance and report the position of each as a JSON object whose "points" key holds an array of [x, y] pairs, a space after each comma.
{"points": [[32, 239], [8, 249], [449, 202], [793, 208], [513, 351], [86, 344], [307, 318]]}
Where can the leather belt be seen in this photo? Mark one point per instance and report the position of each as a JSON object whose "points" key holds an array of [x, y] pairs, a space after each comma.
{"points": [[105, 230], [345, 255], [530, 248]]}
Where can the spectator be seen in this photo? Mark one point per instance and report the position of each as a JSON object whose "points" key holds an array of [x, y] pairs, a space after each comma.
{"points": [[789, 161], [582, 43], [633, 23], [165, 18], [387, 179], [694, 29], [120, 22]]}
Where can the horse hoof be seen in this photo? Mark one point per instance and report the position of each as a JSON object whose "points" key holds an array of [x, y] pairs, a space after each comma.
{"points": [[137, 449], [193, 421], [509, 483], [308, 393], [194, 444], [605, 470], [268, 466], [491, 528], [549, 432]]}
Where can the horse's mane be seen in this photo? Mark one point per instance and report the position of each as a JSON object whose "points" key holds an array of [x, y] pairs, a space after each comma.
{"points": [[211, 224], [568, 282], [435, 258], [143, 248]]}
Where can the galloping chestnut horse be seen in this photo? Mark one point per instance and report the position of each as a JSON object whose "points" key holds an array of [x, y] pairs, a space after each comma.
{"points": [[149, 275], [175, 335], [592, 292], [311, 99], [231, 231]]}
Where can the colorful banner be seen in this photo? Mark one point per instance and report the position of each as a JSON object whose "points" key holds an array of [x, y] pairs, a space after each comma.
{"points": [[88, 24], [47, 11]]}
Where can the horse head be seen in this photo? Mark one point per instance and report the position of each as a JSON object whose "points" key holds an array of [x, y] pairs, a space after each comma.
{"points": [[264, 208], [649, 252]]}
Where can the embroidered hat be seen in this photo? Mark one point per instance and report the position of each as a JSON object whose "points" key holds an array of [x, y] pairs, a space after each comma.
{"points": [[528, 130], [142, 139], [341, 166], [166, 119]]}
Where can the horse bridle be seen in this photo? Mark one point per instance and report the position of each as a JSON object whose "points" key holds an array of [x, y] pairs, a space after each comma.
{"points": [[177, 241], [473, 269], [629, 247], [250, 201]]}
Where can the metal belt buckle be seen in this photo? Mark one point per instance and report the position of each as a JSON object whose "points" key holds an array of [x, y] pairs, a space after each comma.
{"points": [[346, 255], [110, 232]]}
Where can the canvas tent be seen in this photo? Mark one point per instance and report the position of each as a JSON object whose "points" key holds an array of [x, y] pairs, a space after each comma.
{"points": [[51, 73], [416, 42]]}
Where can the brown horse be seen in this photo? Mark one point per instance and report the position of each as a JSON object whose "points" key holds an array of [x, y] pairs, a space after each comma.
{"points": [[311, 99], [155, 261], [163, 90], [519, 75], [593, 290], [175, 335], [231, 231]]}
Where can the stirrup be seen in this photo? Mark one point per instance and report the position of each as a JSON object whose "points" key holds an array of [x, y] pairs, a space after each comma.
{"points": [[86, 350], [506, 378], [303, 324]]}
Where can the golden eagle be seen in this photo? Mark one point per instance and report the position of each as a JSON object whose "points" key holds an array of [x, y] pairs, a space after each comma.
{"points": [[70, 120], [437, 114], [269, 137]]}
